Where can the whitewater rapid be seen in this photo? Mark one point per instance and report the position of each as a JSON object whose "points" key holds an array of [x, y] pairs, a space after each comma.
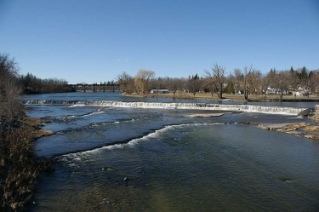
{"points": [[294, 111]]}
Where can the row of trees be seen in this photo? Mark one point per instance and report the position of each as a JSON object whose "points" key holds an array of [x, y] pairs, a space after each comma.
{"points": [[246, 81], [32, 84], [12, 85]]}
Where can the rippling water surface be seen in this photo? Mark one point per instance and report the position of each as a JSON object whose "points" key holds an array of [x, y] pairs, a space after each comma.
{"points": [[125, 159]]}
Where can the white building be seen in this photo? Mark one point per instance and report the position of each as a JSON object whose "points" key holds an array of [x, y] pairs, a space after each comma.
{"points": [[159, 91]]}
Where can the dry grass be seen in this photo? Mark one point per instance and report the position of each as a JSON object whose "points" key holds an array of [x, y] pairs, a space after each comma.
{"points": [[233, 97], [19, 166]]}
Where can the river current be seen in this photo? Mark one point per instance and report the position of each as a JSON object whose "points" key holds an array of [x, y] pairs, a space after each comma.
{"points": [[164, 159]]}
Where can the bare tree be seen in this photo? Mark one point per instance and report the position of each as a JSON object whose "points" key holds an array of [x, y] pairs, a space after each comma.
{"points": [[208, 86], [263, 86], [10, 106], [249, 81], [314, 82], [247, 76], [142, 79], [230, 81], [174, 84], [217, 77], [280, 80], [158, 83], [125, 81], [254, 81], [294, 79], [239, 79], [194, 84]]}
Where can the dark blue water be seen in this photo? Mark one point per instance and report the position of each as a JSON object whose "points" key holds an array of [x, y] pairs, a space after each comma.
{"points": [[125, 159]]}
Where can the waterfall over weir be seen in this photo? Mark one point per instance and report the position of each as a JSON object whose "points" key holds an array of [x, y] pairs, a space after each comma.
{"points": [[186, 106]]}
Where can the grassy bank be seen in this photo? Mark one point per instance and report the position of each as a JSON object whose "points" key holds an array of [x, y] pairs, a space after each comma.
{"points": [[232, 97]]}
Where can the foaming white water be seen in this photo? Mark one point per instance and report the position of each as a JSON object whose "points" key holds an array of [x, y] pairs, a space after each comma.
{"points": [[183, 106], [94, 113], [212, 107], [76, 156]]}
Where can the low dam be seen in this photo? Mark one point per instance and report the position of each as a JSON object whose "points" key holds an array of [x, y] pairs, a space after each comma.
{"points": [[181, 106]]}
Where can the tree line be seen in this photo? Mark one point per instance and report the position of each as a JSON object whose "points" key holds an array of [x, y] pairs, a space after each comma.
{"points": [[32, 85], [12, 84], [244, 81]]}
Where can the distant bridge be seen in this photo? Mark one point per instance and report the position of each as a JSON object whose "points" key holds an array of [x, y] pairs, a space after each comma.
{"points": [[95, 87]]}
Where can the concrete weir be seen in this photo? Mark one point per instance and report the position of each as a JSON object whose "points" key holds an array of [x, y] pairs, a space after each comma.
{"points": [[294, 111]]}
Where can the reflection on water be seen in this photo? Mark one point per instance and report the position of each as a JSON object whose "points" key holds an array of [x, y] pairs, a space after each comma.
{"points": [[162, 160]]}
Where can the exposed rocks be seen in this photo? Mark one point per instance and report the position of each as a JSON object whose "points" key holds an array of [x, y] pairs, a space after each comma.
{"points": [[306, 112], [299, 129], [314, 137], [311, 128]]}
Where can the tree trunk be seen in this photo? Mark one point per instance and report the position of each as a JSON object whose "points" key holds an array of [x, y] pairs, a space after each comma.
{"points": [[281, 95], [212, 90], [220, 93], [246, 94]]}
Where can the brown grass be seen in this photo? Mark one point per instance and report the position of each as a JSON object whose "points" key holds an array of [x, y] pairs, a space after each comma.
{"points": [[19, 166], [233, 97]]}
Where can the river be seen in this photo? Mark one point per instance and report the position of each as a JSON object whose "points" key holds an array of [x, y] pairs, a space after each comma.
{"points": [[163, 159]]}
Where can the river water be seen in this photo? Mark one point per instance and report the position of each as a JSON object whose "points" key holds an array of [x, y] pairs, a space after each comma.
{"points": [[141, 159]]}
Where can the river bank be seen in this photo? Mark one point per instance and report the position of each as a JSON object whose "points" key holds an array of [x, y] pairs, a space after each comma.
{"points": [[19, 166], [230, 97], [301, 129]]}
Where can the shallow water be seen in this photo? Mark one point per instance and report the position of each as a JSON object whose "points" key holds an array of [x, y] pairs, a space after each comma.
{"points": [[124, 159]]}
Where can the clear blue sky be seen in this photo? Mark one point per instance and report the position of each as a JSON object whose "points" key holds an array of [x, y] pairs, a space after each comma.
{"points": [[96, 40]]}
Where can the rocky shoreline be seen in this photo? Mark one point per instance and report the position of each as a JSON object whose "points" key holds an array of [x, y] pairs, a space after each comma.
{"points": [[301, 129]]}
